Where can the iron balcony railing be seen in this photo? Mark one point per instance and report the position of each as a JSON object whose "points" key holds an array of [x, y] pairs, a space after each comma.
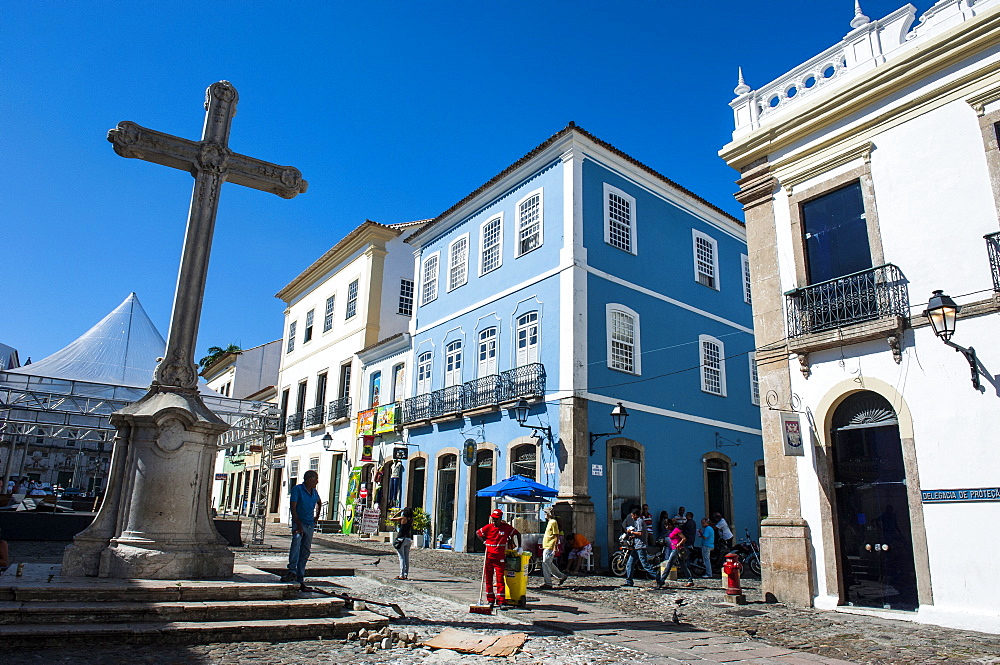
{"points": [[993, 249], [293, 422], [485, 391], [525, 381], [314, 416], [416, 408], [339, 408], [862, 296], [447, 401]]}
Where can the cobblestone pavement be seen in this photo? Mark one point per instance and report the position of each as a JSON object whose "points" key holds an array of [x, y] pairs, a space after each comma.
{"points": [[865, 639]]}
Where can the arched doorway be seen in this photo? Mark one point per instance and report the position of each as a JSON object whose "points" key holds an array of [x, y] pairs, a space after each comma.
{"points": [[444, 503], [481, 476], [719, 486], [418, 482], [626, 485], [524, 461], [873, 515]]}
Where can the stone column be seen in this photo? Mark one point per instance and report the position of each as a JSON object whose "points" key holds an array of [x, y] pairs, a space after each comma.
{"points": [[573, 504], [785, 540]]}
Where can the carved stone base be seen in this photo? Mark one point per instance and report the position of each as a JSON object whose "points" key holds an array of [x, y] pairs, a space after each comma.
{"points": [[787, 563], [155, 522]]}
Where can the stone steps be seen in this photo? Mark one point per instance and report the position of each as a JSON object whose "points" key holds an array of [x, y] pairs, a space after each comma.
{"points": [[53, 612], [189, 632]]}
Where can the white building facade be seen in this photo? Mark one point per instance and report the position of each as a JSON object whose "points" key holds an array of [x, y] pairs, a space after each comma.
{"points": [[870, 176], [357, 293]]}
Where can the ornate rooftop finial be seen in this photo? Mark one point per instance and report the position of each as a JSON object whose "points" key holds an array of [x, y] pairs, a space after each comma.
{"points": [[741, 88], [859, 18]]}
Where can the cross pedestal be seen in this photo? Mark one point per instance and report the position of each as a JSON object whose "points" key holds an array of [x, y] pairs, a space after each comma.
{"points": [[155, 521]]}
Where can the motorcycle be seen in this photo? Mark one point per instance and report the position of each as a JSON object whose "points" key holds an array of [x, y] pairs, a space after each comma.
{"points": [[654, 556], [749, 553]]}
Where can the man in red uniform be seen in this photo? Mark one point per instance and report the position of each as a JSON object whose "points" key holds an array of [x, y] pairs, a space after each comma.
{"points": [[496, 535]]}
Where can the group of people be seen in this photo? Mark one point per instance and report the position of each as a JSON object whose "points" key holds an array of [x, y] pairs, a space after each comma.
{"points": [[27, 487], [681, 533]]}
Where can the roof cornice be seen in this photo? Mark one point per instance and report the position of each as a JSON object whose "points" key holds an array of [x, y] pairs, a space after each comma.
{"points": [[949, 48], [368, 233], [385, 348]]}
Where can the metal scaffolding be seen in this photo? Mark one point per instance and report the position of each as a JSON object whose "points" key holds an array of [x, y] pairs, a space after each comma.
{"points": [[256, 430]]}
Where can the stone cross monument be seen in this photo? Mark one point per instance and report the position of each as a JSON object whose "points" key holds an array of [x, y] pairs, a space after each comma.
{"points": [[155, 521]]}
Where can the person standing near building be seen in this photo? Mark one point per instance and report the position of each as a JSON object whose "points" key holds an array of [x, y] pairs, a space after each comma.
{"points": [[305, 510], [403, 540], [635, 537], [497, 536], [690, 529], [679, 555], [550, 541], [707, 534], [723, 533]]}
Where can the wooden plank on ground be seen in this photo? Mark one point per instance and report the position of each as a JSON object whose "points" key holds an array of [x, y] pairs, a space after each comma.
{"points": [[506, 645]]}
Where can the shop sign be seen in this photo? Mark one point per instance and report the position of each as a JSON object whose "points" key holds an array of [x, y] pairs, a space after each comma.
{"points": [[597, 469], [961, 496], [367, 443], [791, 434], [385, 419], [278, 463], [399, 453], [469, 452], [221, 476], [366, 422]]}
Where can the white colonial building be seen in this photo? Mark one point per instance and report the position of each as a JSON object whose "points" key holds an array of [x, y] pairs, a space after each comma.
{"points": [[870, 176], [356, 294]]}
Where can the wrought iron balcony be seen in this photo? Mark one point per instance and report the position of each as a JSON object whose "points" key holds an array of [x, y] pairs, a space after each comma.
{"points": [[993, 249], [485, 391], [339, 409], [862, 296], [293, 422], [282, 421], [524, 381], [447, 401], [314, 416], [416, 408]]}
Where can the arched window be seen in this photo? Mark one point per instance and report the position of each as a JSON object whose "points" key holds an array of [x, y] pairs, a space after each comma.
{"points": [[624, 352], [524, 461], [713, 365], [487, 352], [453, 363], [526, 338], [424, 373]]}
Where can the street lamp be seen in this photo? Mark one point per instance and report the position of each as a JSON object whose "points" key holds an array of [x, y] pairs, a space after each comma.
{"points": [[521, 414], [327, 441], [942, 312], [618, 417]]}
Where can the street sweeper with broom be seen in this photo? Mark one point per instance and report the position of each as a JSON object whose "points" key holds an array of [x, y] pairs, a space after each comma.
{"points": [[497, 536]]}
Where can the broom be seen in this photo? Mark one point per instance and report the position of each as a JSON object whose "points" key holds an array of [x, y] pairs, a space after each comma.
{"points": [[481, 608]]}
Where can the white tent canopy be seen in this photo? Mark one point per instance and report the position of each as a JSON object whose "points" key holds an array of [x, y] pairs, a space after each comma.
{"points": [[121, 350]]}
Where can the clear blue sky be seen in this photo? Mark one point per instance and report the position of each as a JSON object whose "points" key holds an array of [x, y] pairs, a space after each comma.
{"points": [[393, 111]]}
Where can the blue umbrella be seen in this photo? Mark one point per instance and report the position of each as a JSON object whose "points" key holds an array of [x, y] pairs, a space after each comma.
{"points": [[518, 486]]}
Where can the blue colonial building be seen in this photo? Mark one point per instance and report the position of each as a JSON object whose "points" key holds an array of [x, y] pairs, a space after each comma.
{"points": [[576, 279]]}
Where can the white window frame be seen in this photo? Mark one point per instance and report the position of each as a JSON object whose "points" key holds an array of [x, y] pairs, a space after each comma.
{"points": [[541, 222], [705, 369], [530, 350], [429, 285], [458, 266], [745, 262], [487, 344], [695, 235], [398, 382], [292, 329], [425, 364], [609, 311], [329, 309], [482, 244], [453, 363], [351, 310], [608, 191], [307, 331], [754, 380]]}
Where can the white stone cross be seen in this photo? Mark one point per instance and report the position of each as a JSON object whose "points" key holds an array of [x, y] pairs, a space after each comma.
{"points": [[212, 163]]}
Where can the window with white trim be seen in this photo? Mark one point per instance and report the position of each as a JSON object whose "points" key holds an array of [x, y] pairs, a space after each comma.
{"points": [[619, 219], [352, 299], [429, 279], [458, 262], [526, 338], [754, 380], [328, 314], [307, 334], [314, 464], [291, 336], [405, 297], [490, 245], [488, 352], [529, 223], [424, 363], [746, 279], [623, 339], [713, 365], [453, 363], [706, 260]]}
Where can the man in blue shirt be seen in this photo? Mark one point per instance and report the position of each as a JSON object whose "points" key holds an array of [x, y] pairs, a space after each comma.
{"points": [[305, 507]]}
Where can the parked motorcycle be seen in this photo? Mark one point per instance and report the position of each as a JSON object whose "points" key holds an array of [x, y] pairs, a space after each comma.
{"points": [[655, 555], [749, 553]]}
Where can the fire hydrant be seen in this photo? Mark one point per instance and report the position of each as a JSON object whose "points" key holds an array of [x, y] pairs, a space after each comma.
{"points": [[732, 568]]}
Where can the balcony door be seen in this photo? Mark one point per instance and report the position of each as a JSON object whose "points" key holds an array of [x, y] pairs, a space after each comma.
{"points": [[835, 233], [873, 514]]}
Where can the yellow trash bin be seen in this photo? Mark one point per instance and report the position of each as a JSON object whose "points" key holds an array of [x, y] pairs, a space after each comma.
{"points": [[516, 577]]}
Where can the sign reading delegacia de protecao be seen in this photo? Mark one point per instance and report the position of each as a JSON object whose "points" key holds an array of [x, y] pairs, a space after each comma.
{"points": [[952, 496]]}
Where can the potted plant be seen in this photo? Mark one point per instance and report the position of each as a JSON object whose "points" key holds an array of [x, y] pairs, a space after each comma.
{"points": [[421, 523]]}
